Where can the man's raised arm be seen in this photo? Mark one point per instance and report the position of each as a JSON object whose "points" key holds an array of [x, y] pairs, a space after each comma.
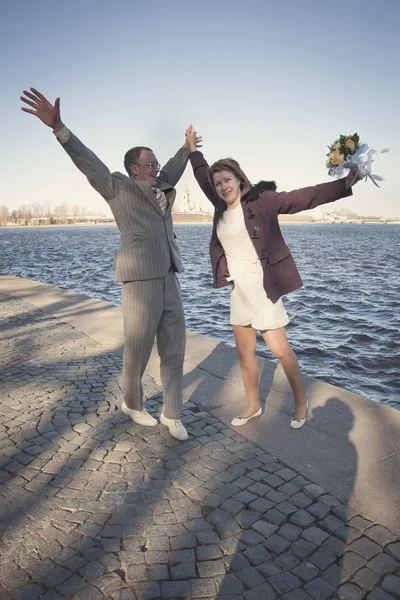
{"points": [[88, 163]]}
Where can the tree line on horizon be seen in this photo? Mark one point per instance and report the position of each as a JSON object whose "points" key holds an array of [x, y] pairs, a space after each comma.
{"points": [[28, 214]]}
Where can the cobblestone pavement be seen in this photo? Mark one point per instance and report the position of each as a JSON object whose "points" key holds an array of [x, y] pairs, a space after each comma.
{"points": [[94, 506]]}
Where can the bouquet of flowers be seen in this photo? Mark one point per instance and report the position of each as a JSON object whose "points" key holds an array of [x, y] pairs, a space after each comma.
{"points": [[347, 152]]}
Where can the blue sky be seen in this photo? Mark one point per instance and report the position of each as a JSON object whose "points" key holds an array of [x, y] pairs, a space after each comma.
{"points": [[268, 83]]}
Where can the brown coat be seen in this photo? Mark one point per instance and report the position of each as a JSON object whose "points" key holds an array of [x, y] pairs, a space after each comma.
{"points": [[261, 218]]}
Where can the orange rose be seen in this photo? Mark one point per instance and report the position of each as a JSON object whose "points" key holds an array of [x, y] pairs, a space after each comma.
{"points": [[350, 144], [336, 158]]}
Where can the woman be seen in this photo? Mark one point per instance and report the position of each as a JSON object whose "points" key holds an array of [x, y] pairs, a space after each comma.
{"points": [[247, 249]]}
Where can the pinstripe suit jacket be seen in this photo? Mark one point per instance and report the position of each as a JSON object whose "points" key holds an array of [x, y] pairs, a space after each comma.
{"points": [[147, 246]]}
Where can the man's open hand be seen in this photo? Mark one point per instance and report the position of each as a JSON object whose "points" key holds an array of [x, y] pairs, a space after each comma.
{"points": [[48, 113]]}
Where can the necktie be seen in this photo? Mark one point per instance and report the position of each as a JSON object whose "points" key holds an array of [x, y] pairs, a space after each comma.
{"points": [[161, 199]]}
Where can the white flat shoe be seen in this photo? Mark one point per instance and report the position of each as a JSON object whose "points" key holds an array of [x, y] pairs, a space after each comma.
{"points": [[175, 427], [297, 423], [238, 421], [142, 417]]}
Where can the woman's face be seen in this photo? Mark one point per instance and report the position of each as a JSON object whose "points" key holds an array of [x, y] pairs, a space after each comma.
{"points": [[227, 186]]}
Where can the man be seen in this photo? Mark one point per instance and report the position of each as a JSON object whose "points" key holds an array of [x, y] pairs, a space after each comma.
{"points": [[147, 261]]}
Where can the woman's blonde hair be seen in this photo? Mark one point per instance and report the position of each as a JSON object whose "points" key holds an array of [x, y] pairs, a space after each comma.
{"points": [[228, 164]]}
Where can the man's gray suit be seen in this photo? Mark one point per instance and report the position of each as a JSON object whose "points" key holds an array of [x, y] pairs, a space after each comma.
{"points": [[147, 260]]}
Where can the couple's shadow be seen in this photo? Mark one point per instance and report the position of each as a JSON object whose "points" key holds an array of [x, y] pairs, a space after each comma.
{"points": [[321, 454]]}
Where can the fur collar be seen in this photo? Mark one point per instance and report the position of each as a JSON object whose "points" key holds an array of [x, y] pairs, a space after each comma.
{"points": [[259, 188]]}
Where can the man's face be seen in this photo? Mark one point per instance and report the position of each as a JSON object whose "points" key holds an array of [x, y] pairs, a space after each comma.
{"points": [[146, 168]]}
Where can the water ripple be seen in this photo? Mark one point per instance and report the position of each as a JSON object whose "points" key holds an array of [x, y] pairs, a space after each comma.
{"points": [[344, 321]]}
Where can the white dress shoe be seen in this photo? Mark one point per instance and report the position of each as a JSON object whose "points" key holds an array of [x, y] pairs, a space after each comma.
{"points": [[142, 417], [297, 423], [238, 421], [175, 427]]}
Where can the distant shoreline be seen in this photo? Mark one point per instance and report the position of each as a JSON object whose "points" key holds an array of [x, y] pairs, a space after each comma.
{"points": [[60, 225]]}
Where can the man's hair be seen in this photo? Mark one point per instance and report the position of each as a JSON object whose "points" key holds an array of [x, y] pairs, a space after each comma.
{"points": [[228, 164], [133, 156]]}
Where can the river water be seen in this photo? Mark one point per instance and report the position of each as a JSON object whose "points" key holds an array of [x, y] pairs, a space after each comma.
{"points": [[344, 323]]}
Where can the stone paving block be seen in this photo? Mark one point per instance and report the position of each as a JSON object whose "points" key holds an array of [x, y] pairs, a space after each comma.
{"points": [[89, 592], [246, 518], [360, 523], [290, 532], [55, 577], [287, 561], [302, 518], [302, 548], [331, 523], [181, 542], [31, 592], [235, 562], [275, 496], [52, 595], [334, 545], [366, 579], [394, 550], [286, 508], [183, 571], [352, 562], [159, 572], [335, 575], [261, 505], [275, 517], [147, 591], [284, 582], [228, 528], [264, 592], [315, 535], [136, 573], [245, 497], [211, 568], [350, 591], [232, 545], [391, 585], [260, 489], [72, 586], [305, 571], [319, 589], [268, 568], [380, 535], [347, 534], [250, 577], [156, 557], [378, 594], [301, 500], [318, 510], [382, 564], [264, 528], [228, 585], [323, 558], [206, 538], [365, 547], [233, 507], [108, 583], [210, 552], [257, 554], [202, 588]]}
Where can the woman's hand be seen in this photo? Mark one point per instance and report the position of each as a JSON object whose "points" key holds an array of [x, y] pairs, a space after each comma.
{"points": [[352, 177], [193, 141]]}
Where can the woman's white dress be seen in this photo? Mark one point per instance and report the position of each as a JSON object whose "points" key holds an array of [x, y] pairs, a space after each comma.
{"points": [[250, 304]]}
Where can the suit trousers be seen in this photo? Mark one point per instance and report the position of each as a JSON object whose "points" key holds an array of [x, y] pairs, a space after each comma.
{"points": [[153, 308]]}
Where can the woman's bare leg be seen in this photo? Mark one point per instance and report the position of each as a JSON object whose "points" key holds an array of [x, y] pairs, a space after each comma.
{"points": [[245, 338], [277, 342]]}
